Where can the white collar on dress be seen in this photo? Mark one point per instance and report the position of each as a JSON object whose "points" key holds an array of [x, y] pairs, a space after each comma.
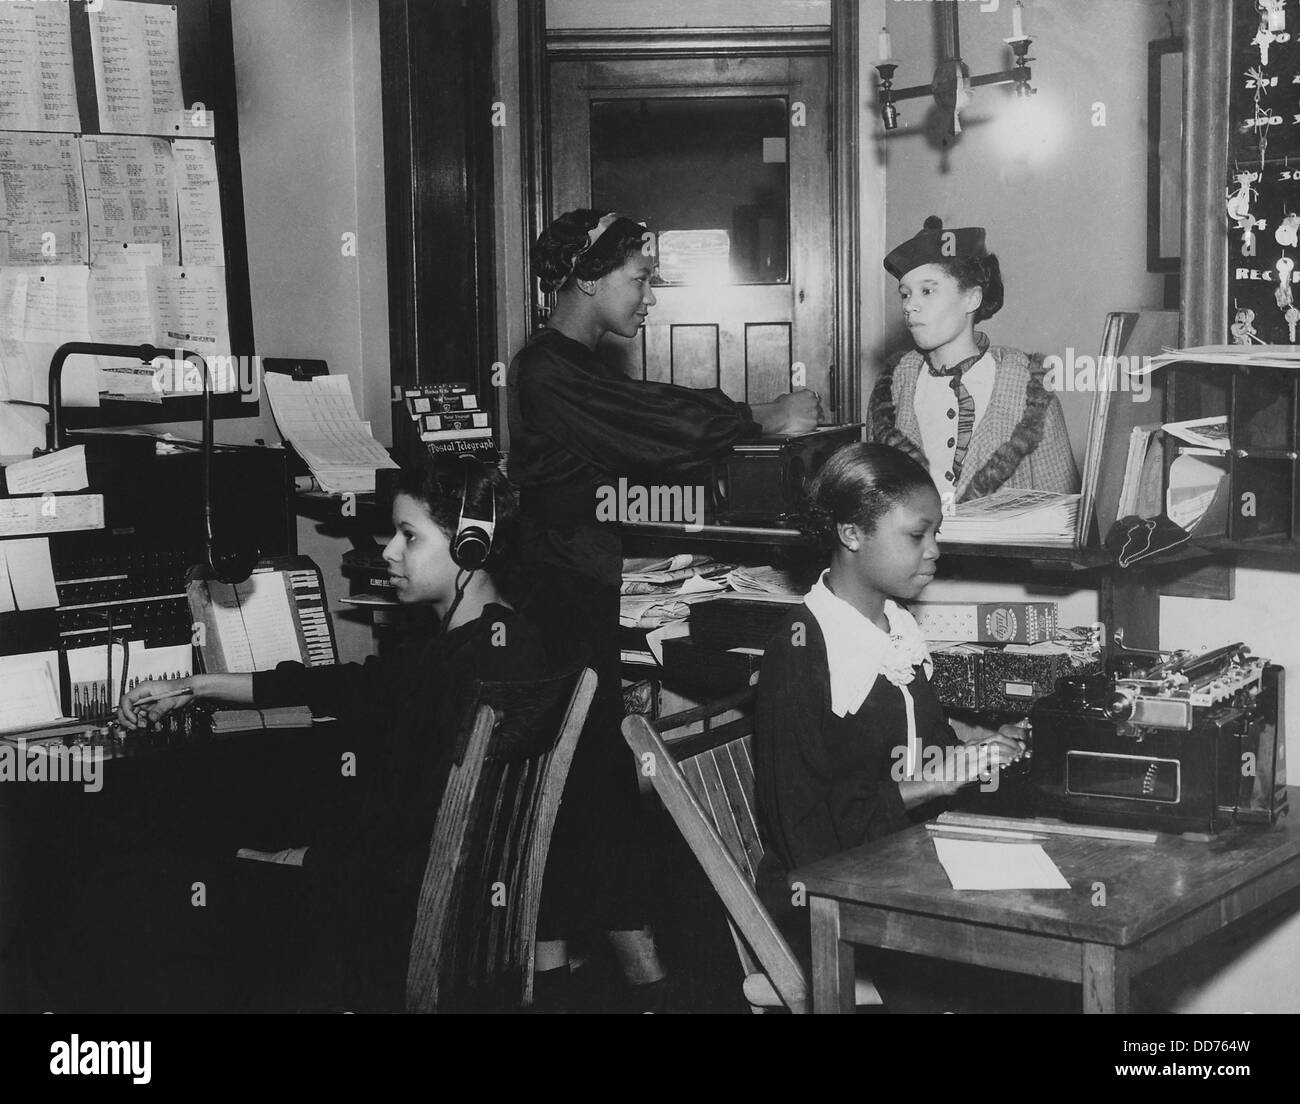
{"points": [[857, 651]]}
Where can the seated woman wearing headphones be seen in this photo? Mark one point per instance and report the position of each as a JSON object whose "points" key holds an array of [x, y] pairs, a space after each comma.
{"points": [[364, 877]]}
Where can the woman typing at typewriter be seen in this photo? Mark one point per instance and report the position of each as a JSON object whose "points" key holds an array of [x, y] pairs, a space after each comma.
{"points": [[978, 416], [850, 738], [577, 424], [353, 912]]}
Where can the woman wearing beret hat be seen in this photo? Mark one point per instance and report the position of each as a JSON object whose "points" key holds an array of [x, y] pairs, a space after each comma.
{"points": [[976, 415]]}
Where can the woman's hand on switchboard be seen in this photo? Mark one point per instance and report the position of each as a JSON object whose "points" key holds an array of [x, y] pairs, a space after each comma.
{"points": [[149, 702]]}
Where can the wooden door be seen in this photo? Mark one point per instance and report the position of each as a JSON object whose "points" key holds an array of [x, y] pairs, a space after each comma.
{"points": [[726, 158]]}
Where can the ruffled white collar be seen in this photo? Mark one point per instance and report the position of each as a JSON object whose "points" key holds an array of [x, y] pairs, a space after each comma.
{"points": [[858, 652]]}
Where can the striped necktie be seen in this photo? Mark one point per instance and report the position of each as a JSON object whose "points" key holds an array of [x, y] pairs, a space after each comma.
{"points": [[965, 402]]}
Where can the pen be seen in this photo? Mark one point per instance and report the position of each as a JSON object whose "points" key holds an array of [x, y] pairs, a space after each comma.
{"points": [[955, 831], [163, 697]]}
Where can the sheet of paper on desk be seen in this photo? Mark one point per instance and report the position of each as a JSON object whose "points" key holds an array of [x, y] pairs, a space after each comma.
{"points": [[980, 864], [29, 693]]}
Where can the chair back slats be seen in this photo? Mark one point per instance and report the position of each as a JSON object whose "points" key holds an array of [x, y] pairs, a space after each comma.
{"points": [[709, 793], [472, 947], [718, 786]]}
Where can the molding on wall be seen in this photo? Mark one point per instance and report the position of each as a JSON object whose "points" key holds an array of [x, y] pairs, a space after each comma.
{"points": [[1208, 35], [846, 207], [685, 42]]}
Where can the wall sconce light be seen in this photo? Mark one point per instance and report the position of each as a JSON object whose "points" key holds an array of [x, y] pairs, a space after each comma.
{"points": [[952, 83]]}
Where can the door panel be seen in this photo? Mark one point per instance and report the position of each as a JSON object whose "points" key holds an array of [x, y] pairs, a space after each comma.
{"points": [[766, 304]]}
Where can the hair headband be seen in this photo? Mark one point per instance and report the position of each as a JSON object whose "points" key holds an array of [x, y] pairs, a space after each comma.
{"points": [[594, 235]]}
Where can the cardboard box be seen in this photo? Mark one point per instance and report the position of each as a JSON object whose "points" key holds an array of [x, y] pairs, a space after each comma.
{"points": [[987, 622]]}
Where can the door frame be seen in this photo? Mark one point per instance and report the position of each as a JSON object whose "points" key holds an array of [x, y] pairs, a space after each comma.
{"points": [[537, 47]]}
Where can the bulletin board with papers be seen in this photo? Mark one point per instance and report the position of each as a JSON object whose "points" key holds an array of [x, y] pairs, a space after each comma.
{"points": [[121, 206]]}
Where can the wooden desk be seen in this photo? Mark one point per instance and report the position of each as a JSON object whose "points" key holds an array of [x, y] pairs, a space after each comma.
{"points": [[1159, 899]]}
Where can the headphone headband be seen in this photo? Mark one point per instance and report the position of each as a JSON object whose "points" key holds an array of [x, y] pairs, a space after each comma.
{"points": [[472, 544]]}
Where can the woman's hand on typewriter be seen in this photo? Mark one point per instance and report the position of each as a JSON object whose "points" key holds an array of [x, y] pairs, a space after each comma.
{"points": [[796, 412]]}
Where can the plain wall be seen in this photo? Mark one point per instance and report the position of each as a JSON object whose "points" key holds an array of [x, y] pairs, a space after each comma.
{"points": [[1063, 200], [311, 144]]}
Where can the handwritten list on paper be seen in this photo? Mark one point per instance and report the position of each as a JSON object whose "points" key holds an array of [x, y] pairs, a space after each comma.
{"points": [[199, 200], [130, 195], [137, 61], [42, 200], [37, 88], [45, 303]]}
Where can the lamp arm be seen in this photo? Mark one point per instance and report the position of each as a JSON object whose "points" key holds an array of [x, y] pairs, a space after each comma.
{"points": [[54, 433]]}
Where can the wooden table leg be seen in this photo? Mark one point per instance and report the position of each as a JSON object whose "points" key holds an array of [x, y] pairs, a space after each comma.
{"points": [[833, 971], [1105, 979]]}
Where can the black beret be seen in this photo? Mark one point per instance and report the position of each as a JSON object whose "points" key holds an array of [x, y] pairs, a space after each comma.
{"points": [[933, 245]]}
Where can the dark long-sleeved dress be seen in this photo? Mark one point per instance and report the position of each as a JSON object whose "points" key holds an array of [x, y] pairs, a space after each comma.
{"points": [[577, 424], [407, 710], [333, 934], [823, 783]]}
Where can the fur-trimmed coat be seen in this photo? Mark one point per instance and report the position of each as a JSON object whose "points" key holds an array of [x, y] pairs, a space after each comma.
{"points": [[1020, 443]]}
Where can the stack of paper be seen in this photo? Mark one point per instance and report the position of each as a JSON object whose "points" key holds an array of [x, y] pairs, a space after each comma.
{"points": [[1014, 517], [320, 420], [764, 580], [1259, 356], [1208, 433], [681, 574]]}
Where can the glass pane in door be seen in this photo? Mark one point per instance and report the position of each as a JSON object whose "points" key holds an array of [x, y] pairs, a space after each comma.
{"points": [[709, 176]]}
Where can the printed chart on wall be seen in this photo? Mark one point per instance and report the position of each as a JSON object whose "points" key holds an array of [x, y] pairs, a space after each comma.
{"points": [[1263, 186], [111, 202]]}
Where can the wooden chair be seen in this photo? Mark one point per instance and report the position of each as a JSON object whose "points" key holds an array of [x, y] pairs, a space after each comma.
{"points": [[706, 782], [473, 943]]}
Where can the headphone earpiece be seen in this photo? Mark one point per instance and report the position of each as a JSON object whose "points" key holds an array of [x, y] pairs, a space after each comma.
{"points": [[472, 544]]}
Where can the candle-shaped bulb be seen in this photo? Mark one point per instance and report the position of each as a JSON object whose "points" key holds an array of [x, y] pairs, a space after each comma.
{"points": [[886, 47], [1018, 20]]}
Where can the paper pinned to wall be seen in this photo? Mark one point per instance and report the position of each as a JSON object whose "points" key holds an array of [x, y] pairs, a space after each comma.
{"points": [[31, 573], [42, 201], [121, 306], [64, 470], [137, 61], [7, 604], [191, 306], [199, 201], [41, 307], [21, 517], [22, 428], [37, 88], [130, 194]]}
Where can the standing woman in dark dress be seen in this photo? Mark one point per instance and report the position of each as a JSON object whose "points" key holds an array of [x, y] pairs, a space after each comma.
{"points": [[577, 424]]}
